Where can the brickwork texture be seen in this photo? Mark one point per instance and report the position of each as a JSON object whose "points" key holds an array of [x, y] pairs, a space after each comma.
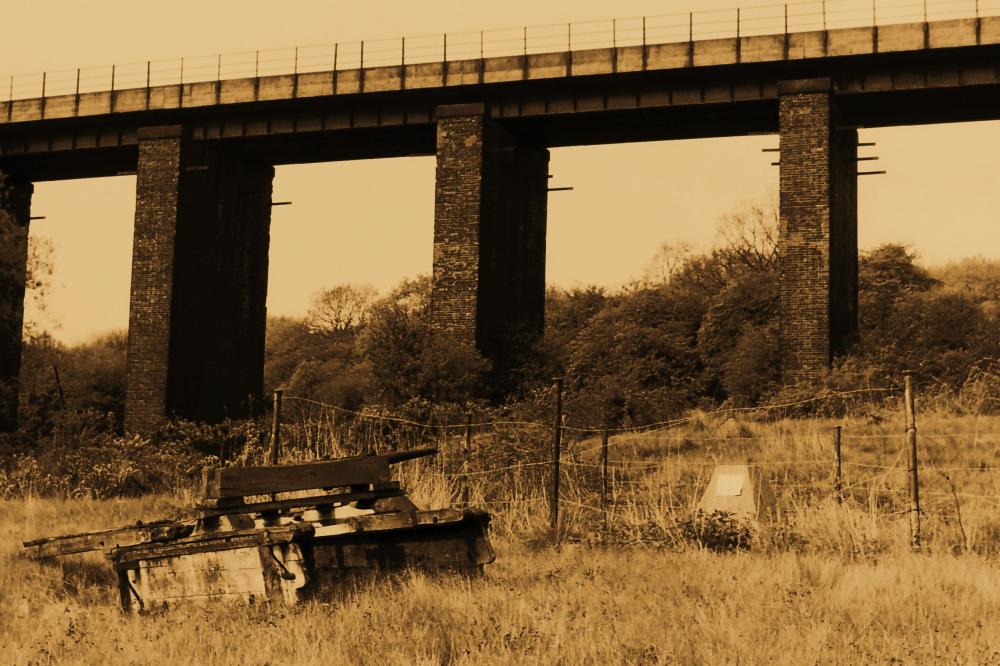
{"points": [[15, 210], [818, 232], [199, 284], [489, 234]]}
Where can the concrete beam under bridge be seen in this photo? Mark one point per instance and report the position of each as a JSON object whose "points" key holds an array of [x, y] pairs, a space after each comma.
{"points": [[199, 283]]}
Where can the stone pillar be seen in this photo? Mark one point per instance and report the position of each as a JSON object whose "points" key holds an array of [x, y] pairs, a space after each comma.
{"points": [[15, 207], [489, 234], [818, 242], [199, 283]]}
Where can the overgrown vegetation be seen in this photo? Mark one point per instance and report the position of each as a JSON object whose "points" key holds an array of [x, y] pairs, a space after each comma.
{"points": [[695, 331], [692, 345]]}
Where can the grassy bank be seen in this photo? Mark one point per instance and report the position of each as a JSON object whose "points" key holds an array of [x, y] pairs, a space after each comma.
{"points": [[534, 605], [829, 583]]}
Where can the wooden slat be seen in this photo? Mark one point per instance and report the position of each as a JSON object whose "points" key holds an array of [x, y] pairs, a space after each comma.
{"points": [[240, 482], [381, 522], [202, 543], [124, 536], [450, 545], [208, 511]]}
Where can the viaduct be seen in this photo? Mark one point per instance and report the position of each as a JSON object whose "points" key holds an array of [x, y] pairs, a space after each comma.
{"points": [[204, 155]]}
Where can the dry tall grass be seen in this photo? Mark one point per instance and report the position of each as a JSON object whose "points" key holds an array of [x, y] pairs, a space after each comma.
{"points": [[832, 583]]}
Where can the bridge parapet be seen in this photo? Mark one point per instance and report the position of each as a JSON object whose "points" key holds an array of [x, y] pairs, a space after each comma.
{"points": [[645, 57]]}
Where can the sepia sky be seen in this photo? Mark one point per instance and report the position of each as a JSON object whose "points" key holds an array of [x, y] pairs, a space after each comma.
{"points": [[372, 221]]}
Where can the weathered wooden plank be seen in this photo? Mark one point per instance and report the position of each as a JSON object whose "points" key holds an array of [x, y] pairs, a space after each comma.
{"points": [[81, 543], [388, 490], [240, 482], [453, 545], [403, 520], [126, 556], [235, 573], [412, 454]]}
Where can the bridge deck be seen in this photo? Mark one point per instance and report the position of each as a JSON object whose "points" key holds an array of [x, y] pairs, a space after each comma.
{"points": [[675, 56]]}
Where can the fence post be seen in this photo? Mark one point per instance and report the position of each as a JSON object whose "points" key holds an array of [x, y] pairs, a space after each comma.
{"points": [[604, 478], [838, 486], [556, 450], [275, 452], [465, 459], [911, 441]]}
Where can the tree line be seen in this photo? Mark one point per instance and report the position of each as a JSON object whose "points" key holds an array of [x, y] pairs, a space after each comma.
{"points": [[696, 330]]}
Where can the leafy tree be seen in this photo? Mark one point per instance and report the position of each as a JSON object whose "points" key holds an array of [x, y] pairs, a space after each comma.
{"points": [[342, 308]]}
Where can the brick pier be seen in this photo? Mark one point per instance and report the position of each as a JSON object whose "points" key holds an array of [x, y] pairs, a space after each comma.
{"points": [[15, 211], [489, 233], [818, 238], [199, 283]]}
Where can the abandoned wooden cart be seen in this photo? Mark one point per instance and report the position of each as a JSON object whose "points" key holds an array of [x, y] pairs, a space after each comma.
{"points": [[283, 549]]}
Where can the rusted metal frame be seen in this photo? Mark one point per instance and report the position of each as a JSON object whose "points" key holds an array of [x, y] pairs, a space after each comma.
{"points": [[482, 57], [524, 55], [402, 65], [738, 41], [42, 103], [334, 75], [76, 95], [690, 53], [614, 46], [256, 77], [787, 42], [645, 48], [361, 70], [569, 51], [111, 102]]}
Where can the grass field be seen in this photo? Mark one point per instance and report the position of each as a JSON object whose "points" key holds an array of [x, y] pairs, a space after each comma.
{"points": [[831, 584]]}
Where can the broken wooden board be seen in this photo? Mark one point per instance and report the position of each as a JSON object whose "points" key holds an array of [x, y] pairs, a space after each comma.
{"points": [[345, 472], [388, 490], [454, 544], [250, 573], [240, 482], [70, 544], [209, 541]]}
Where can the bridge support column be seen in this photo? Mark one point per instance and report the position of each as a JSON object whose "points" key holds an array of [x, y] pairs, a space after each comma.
{"points": [[15, 207], [199, 283], [818, 239], [489, 234]]}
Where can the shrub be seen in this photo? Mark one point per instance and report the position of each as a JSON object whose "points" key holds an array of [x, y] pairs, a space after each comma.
{"points": [[720, 531]]}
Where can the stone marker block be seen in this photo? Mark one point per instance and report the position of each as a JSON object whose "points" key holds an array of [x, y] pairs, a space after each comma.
{"points": [[740, 490]]}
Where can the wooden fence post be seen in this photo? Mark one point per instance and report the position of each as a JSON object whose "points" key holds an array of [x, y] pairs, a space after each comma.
{"points": [[275, 452], [911, 441], [556, 450], [465, 459], [604, 478], [838, 486]]}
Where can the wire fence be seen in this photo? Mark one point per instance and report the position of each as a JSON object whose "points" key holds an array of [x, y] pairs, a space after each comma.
{"points": [[772, 19], [648, 473]]}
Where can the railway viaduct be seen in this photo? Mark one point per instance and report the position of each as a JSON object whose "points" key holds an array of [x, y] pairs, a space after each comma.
{"points": [[204, 155]]}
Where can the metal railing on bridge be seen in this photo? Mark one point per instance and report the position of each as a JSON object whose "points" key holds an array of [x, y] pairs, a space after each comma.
{"points": [[773, 19]]}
